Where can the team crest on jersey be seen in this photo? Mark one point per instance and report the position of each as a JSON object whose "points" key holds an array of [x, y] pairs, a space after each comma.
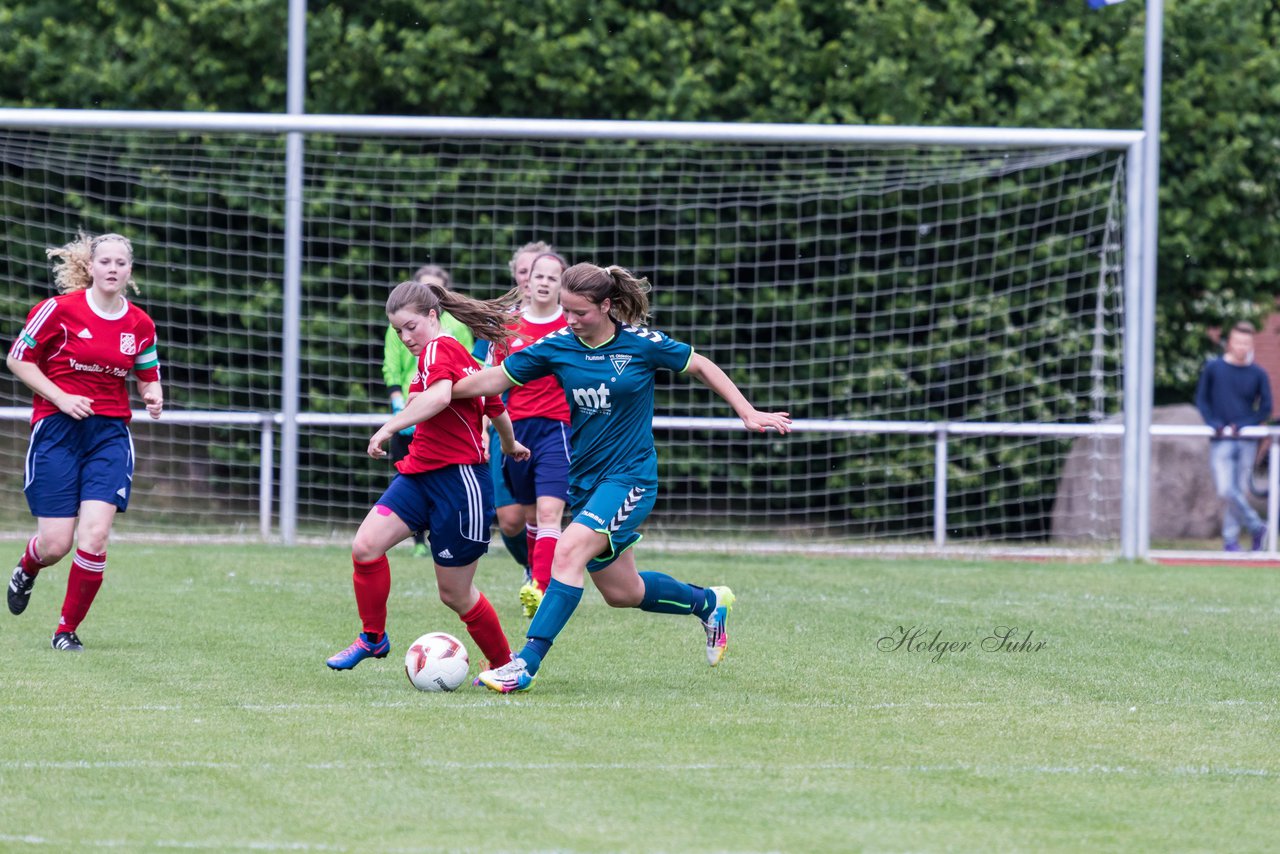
{"points": [[619, 362], [128, 344]]}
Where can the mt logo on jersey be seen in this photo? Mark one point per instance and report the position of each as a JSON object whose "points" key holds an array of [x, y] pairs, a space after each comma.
{"points": [[591, 400]]}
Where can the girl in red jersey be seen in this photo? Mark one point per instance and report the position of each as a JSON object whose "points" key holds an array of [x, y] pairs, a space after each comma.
{"points": [[516, 534], [443, 485], [76, 353], [540, 416]]}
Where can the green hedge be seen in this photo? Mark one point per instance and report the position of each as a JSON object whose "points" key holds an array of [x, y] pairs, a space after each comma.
{"points": [[1004, 63]]}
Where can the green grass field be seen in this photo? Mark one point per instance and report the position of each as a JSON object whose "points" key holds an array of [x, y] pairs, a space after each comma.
{"points": [[201, 715]]}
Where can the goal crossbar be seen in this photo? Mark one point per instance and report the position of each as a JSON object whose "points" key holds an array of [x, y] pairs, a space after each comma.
{"points": [[494, 128], [811, 136]]}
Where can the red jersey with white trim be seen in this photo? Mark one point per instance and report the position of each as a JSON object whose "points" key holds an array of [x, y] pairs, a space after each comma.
{"points": [[455, 435], [543, 397], [88, 352]]}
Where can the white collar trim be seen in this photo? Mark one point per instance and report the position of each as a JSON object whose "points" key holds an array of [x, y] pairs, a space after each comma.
{"points": [[94, 307], [559, 312]]}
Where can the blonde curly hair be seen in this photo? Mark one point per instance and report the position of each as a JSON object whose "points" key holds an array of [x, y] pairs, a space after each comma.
{"points": [[73, 269]]}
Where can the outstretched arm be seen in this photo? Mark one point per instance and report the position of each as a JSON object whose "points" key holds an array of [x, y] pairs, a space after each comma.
{"points": [[421, 407], [486, 383], [709, 374]]}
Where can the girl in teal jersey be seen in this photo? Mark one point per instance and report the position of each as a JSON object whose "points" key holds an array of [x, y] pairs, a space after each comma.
{"points": [[606, 360]]}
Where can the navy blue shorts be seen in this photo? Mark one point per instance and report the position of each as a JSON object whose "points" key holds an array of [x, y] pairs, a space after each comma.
{"points": [[546, 472], [453, 505], [70, 461]]}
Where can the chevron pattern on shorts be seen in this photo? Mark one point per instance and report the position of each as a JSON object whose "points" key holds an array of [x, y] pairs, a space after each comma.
{"points": [[628, 505]]}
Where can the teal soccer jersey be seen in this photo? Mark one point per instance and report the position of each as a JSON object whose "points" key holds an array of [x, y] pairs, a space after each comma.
{"points": [[610, 394]]}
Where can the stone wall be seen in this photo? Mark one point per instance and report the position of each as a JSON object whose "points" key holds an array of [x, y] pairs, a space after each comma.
{"points": [[1184, 504]]}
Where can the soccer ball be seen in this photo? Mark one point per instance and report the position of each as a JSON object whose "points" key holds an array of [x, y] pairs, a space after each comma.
{"points": [[436, 662]]}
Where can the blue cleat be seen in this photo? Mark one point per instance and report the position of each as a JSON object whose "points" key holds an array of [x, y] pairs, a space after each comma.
{"points": [[513, 676], [716, 625], [359, 651]]}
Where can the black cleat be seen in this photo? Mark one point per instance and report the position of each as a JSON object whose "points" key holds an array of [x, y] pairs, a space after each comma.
{"points": [[67, 642], [20, 585]]}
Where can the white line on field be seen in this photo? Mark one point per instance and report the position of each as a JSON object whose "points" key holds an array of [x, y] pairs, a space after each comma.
{"points": [[715, 767], [499, 704], [182, 844]]}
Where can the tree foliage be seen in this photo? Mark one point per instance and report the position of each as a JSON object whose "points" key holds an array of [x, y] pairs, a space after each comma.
{"points": [[1004, 63], [1026, 63]]}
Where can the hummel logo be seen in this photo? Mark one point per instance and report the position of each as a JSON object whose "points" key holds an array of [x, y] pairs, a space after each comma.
{"points": [[84, 333], [445, 554]]}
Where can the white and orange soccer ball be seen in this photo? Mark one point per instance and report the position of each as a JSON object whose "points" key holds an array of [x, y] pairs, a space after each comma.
{"points": [[437, 661]]}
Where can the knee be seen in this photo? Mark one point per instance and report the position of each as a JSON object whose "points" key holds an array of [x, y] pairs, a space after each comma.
{"points": [[363, 549], [53, 549], [569, 572], [458, 598], [455, 600], [1222, 485], [621, 598], [509, 522], [91, 539]]}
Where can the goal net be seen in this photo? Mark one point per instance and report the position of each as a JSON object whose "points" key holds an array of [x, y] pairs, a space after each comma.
{"points": [[875, 292]]}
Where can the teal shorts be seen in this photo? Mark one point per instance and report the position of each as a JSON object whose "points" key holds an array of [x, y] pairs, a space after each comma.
{"points": [[501, 494], [615, 508]]}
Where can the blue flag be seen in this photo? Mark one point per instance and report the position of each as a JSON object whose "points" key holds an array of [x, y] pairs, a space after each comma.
{"points": [[1098, 4]]}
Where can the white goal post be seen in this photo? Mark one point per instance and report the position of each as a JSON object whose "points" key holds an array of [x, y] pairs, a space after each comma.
{"points": [[950, 314]]}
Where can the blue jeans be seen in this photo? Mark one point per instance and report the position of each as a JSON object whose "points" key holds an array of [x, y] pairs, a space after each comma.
{"points": [[1232, 463]]}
